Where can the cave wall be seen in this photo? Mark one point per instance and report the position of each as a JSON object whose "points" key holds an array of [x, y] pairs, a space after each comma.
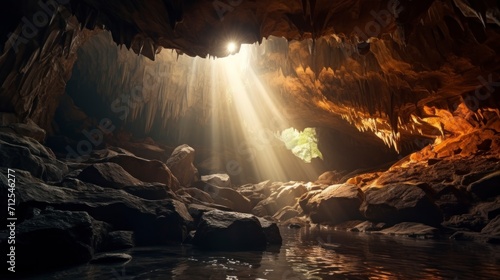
{"points": [[405, 72]]}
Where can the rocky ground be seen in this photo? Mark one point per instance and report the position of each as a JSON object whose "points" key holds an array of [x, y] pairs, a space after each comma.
{"points": [[69, 211]]}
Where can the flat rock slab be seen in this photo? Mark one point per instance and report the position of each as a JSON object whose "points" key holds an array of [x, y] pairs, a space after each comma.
{"points": [[410, 229], [108, 258]]}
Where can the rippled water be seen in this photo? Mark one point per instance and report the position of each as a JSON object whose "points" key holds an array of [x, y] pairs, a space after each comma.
{"points": [[359, 256]]}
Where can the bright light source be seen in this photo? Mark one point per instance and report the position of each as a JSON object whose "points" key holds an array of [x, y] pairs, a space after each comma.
{"points": [[231, 47]]}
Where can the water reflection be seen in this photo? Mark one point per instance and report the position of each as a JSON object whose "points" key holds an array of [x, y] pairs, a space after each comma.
{"points": [[359, 256]]}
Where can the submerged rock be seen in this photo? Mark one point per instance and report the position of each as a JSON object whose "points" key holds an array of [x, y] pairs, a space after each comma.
{"points": [[411, 230], [333, 205], [231, 231], [108, 258], [400, 203]]}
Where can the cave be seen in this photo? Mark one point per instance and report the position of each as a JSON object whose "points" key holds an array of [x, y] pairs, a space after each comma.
{"points": [[242, 139]]}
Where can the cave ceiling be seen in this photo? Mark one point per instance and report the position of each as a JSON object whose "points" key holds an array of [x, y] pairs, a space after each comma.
{"points": [[398, 70]]}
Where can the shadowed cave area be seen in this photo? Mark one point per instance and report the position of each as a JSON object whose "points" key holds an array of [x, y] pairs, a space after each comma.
{"points": [[169, 139]]}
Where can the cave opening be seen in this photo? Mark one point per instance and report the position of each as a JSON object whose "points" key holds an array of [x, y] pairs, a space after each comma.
{"points": [[219, 106]]}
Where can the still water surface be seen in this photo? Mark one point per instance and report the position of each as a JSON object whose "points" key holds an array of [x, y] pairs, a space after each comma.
{"points": [[359, 256]]}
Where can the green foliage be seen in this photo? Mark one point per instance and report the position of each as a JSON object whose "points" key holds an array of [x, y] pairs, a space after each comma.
{"points": [[302, 144]]}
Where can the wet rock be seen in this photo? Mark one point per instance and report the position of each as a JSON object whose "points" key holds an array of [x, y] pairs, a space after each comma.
{"points": [[465, 222], [486, 187], [229, 231], [271, 231], [181, 165], [109, 258], [121, 239], [27, 154], [146, 170], [335, 204], [56, 239], [400, 203], [411, 230], [367, 226], [219, 180], [475, 236]]}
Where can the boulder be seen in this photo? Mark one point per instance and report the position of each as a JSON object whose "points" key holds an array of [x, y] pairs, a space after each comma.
{"points": [[220, 180], [120, 239], [112, 175], [335, 204], [226, 196], [24, 153], [400, 203], [289, 194], [229, 231], [271, 231], [56, 239], [181, 165], [286, 213], [266, 207], [146, 170], [486, 187]]}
